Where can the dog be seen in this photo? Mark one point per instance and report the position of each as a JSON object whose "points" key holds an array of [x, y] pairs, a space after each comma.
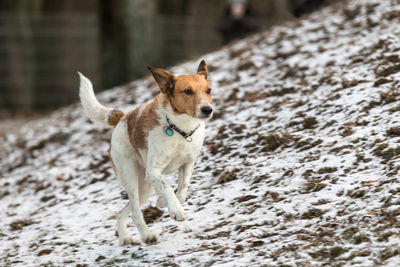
{"points": [[158, 137]]}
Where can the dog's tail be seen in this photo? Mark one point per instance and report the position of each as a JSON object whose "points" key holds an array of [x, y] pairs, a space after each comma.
{"points": [[96, 111]]}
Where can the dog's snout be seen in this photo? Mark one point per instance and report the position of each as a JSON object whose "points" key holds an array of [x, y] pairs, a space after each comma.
{"points": [[206, 110]]}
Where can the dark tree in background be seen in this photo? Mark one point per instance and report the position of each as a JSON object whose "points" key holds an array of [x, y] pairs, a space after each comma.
{"points": [[114, 32], [299, 8], [129, 39]]}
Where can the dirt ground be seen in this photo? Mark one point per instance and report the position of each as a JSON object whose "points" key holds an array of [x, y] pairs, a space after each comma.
{"points": [[11, 123]]}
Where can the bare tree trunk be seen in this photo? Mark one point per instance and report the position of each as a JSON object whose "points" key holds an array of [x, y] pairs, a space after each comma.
{"points": [[282, 11], [127, 39]]}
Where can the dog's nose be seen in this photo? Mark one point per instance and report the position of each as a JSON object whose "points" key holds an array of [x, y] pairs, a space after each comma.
{"points": [[206, 110]]}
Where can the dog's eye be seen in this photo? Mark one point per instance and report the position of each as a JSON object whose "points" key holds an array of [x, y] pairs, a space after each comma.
{"points": [[208, 91], [188, 91]]}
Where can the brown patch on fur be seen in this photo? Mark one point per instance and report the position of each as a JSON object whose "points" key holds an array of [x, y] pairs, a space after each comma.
{"points": [[187, 104], [139, 126], [114, 117]]}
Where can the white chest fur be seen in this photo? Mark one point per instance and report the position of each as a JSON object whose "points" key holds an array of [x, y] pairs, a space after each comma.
{"points": [[171, 152]]}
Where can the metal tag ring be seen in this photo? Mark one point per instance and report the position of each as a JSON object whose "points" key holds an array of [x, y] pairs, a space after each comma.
{"points": [[168, 131], [188, 138]]}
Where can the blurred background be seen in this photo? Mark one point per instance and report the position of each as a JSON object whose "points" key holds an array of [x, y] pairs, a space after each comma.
{"points": [[43, 43]]}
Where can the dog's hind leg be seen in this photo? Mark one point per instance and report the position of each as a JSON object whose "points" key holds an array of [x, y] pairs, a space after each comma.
{"points": [[129, 172], [123, 235], [131, 176], [145, 188]]}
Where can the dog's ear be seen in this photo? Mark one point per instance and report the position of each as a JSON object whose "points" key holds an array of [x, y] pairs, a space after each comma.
{"points": [[165, 80], [202, 69]]}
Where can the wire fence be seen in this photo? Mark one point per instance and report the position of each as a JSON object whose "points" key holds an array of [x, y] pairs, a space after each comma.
{"points": [[40, 55]]}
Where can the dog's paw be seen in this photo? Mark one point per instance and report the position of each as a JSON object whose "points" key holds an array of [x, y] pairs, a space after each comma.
{"points": [[177, 213], [161, 202], [127, 241], [181, 196], [150, 238]]}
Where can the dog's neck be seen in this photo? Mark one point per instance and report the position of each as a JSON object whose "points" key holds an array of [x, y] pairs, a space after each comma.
{"points": [[183, 121]]}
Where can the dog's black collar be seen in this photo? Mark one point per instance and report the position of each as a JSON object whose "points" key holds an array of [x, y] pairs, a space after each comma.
{"points": [[187, 136]]}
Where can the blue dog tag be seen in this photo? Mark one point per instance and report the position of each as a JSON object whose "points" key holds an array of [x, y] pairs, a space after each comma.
{"points": [[168, 131]]}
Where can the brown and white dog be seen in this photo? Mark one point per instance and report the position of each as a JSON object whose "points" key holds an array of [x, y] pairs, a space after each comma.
{"points": [[158, 137]]}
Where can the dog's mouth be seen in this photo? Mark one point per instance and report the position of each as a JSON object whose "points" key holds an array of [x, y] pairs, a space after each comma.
{"points": [[205, 117]]}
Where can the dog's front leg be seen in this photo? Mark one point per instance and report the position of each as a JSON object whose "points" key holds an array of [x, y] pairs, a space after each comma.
{"points": [[185, 172], [176, 211]]}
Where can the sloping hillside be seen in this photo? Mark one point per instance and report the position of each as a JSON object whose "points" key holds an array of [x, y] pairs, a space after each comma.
{"points": [[300, 166]]}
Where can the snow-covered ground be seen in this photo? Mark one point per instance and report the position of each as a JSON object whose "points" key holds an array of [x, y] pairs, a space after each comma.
{"points": [[300, 165]]}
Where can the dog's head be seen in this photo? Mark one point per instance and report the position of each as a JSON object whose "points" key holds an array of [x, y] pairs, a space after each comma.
{"points": [[187, 94]]}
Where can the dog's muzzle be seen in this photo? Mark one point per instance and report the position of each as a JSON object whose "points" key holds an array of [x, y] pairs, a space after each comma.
{"points": [[206, 111]]}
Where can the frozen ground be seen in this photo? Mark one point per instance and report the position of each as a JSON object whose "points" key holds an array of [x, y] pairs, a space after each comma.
{"points": [[300, 166]]}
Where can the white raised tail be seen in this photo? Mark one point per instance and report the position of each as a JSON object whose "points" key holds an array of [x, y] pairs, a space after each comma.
{"points": [[96, 111]]}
